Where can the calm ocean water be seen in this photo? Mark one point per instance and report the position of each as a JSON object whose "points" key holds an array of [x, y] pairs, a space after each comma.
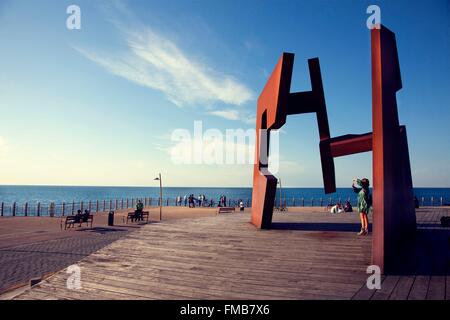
{"points": [[48, 194]]}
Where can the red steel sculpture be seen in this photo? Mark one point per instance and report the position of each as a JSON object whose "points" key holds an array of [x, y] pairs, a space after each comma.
{"points": [[394, 219]]}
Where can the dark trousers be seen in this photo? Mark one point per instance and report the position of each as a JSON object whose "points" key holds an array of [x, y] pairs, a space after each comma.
{"points": [[137, 215]]}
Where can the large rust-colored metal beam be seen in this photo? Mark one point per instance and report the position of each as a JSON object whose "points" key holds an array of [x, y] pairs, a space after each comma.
{"points": [[394, 219], [350, 144]]}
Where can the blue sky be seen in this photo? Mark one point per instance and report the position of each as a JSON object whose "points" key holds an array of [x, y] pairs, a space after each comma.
{"points": [[97, 106]]}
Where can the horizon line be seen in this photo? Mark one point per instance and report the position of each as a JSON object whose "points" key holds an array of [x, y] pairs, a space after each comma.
{"points": [[147, 186]]}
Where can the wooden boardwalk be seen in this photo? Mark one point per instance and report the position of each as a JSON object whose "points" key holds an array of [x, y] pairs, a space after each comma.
{"points": [[312, 255], [426, 267]]}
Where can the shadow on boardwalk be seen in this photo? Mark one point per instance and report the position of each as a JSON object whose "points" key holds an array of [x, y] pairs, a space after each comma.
{"points": [[428, 254], [322, 226], [422, 270]]}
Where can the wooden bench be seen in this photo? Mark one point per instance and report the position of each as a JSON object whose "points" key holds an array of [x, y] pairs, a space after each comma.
{"points": [[72, 220], [226, 210], [144, 215]]}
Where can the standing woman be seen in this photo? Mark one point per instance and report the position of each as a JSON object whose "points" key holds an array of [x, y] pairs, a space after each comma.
{"points": [[364, 203]]}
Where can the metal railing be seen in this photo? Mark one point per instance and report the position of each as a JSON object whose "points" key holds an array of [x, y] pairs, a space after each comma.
{"points": [[323, 202], [69, 208], [97, 206]]}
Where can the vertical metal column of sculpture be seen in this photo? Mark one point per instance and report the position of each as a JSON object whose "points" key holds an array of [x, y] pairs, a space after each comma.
{"points": [[271, 114], [394, 219], [274, 104]]}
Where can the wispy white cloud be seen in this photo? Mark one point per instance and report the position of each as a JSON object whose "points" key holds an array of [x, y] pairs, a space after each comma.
{"points": [[233, 114], [153, 61], [227, 114]]}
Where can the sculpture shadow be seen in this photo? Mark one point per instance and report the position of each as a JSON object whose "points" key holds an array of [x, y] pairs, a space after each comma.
{"points": [[427, 254], [318, 226], [101, 230]]}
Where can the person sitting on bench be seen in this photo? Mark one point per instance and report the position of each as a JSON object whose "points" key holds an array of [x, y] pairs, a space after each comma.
{"points": [[348, 207], [138, 211], [85, 216], [78, 216], [241, 205], [336, 208]]}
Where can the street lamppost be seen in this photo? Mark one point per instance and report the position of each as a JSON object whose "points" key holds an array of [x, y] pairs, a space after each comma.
{"points": [[160, 196], [281, 204]]}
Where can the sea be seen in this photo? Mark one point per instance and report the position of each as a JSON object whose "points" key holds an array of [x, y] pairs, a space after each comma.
{"points": [[292, 196]]}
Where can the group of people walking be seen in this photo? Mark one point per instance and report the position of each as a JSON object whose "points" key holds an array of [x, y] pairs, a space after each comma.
{"points": [[192, 201]]}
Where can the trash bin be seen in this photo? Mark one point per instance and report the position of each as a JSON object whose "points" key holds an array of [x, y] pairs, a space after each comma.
{"points": [[111, 218]]}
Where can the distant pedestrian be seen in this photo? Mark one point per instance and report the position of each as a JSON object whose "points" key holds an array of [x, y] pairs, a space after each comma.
{"points": [[191, 201]]}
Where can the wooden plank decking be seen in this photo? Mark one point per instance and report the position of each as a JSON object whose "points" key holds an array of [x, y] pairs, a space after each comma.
{"points": [[426, 272], [306, 256]]}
